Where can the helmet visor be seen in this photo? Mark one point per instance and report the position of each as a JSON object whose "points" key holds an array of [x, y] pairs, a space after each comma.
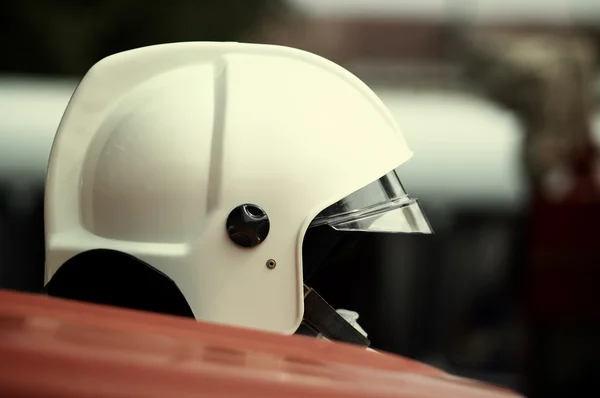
{"points": [[382, 206]]}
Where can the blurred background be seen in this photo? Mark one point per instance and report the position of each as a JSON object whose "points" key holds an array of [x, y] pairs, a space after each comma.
{"points": [[499, 101]]}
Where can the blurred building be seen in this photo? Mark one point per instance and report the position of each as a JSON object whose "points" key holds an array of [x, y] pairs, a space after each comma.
{"points": [[387, 42]]}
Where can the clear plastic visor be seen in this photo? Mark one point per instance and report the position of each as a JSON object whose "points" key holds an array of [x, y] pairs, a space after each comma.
{"points": [[382, 206]]}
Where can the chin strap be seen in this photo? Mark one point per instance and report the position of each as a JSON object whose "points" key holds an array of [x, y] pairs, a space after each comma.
{"points": [[323, 321]]}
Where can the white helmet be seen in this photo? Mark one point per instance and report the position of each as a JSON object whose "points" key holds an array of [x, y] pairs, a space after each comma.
{"points": [[210, 161]]}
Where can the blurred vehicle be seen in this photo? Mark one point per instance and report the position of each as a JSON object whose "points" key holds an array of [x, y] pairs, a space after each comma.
{"points": [[30, 111]]}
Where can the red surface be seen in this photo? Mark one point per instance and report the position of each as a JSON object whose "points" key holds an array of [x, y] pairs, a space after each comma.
{"points": [[57, 348]]}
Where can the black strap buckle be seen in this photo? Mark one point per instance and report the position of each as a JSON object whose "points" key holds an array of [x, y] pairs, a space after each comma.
{"points": [[324, 320]]}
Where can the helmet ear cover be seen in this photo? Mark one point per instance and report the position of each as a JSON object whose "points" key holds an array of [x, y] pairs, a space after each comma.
{"points": [[114, 278]]}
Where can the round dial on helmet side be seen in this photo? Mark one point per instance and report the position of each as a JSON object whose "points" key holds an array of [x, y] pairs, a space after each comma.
{"points": [[248, 225]]}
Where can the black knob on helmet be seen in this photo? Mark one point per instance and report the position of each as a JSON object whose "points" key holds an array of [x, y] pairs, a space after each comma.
{"points": [[248, 225]]}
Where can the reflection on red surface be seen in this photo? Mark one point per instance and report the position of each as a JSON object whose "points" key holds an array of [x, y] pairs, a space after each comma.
{"points": [[56, 348]]}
